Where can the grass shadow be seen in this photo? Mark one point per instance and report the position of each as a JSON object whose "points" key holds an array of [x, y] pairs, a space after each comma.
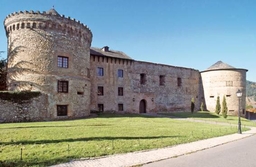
{"points": [[27, 142], [122, 115], [201, 114], [21, 163], [55, 126]]}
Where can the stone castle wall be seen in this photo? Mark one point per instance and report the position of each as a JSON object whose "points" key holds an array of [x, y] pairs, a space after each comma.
{"points": [[30, 110], [171, 95], [158, 98], [35, 40]]}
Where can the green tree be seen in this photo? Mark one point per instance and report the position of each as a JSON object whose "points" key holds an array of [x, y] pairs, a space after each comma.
{"points": [[202, 106], [224, 108], [218, 107], [248, 106], [192, 107], [3, 74]]}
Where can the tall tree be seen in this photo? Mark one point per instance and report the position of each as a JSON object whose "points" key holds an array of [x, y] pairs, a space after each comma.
{"points": [[218, 107], [224, 108], [202, 106], [192, 107], [3, 74]]}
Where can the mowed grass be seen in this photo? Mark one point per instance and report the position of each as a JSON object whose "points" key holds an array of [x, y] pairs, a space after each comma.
{"points": [[212, 117], [47, 143]]}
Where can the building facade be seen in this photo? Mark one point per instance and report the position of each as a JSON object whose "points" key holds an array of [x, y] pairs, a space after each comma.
{"points": [[52, 54], [125, 85]]}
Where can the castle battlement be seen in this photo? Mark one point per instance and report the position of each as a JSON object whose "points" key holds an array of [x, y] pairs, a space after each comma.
{"points": [[46, 20]]}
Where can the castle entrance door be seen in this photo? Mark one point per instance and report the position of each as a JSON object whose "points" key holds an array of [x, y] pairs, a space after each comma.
{"points": [[143, 106]]}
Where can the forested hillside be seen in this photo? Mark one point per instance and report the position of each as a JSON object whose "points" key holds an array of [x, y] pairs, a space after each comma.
{"points": [[251, 89], [251, 96]]}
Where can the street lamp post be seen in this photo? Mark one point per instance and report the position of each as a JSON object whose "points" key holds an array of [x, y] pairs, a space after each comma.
{"points": [[239, 95]]}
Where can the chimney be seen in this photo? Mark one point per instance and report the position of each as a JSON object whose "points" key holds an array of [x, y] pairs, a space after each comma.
{"points": [[105, 49]]}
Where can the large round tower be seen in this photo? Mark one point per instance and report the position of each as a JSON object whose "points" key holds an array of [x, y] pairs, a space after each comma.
{"points": [[50, 53], [224, 80]]}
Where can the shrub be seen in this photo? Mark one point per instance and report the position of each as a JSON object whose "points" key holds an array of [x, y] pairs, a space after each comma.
{"points": [[224, 108], [192, 105], [18, 97], [3, 74], [202, 106], [218, 107]]}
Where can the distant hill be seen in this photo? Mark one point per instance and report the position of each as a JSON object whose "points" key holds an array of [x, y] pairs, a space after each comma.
{"points": [[251, 95], [251, 89]]}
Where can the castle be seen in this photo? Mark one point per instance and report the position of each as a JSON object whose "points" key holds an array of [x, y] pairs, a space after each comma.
{"points": [[52, 54]]}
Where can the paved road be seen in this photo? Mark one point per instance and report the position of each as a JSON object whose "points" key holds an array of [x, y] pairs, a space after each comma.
{"points": [[239, 153]]}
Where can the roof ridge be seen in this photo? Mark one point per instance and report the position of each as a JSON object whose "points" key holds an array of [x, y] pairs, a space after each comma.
{"points": [[109, 53]]}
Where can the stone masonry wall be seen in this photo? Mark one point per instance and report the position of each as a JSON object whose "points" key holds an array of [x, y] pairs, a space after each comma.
{"points": [[35, 40], [30, 110], [158, 98], [168, 96], [224, 83], [110, 81]]}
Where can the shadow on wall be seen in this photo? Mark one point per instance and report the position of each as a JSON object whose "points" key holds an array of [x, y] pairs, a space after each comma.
{"points": [[202, 102], [20, 68]]}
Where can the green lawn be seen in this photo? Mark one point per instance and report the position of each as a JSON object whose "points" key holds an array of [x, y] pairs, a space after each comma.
{"points": [[46, 143]]}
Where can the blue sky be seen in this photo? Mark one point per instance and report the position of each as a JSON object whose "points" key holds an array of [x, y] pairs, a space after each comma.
{"points": [[187, 33]]}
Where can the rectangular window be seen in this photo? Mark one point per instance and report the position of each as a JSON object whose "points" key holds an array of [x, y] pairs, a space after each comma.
{"points": [[143, 79], [161, 80], [62, 62], [62, 110], [120, 107], [63, 86], [120, 91], [120, 73], [80, 93], [211, 96], [100, 90], [100, 71], [101, 107], [179, 82], [229, 83], [34, 25]]}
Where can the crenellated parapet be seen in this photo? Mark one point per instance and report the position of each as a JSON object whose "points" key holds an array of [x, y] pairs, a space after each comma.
{"points": [[50, 20]]}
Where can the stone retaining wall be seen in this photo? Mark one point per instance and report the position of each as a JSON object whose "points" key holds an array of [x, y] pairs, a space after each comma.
{"points": [[34, 109]]}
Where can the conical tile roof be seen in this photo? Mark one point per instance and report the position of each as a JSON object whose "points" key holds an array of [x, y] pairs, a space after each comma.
{"points": [[52, 11], [220, 65]]}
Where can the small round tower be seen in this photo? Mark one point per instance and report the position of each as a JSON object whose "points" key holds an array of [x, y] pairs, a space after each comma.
{"points": [[50, 53], [224, 80]]}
